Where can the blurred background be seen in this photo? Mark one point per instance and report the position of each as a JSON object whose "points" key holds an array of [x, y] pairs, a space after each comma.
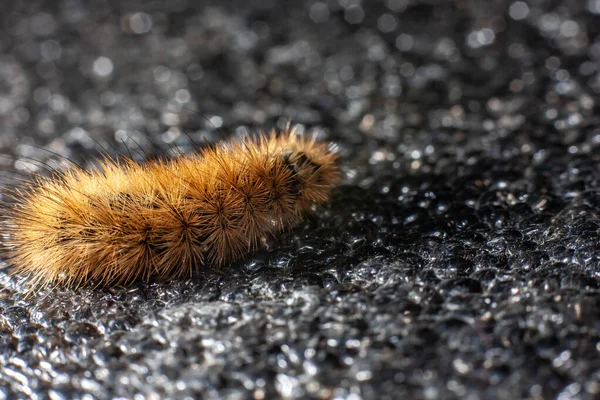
{"points": [[459, 257]]}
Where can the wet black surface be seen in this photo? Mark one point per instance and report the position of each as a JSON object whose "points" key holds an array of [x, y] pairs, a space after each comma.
{"points": [[458, 259]]}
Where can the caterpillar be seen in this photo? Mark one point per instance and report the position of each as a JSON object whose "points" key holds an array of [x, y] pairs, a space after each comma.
{"points": [[160, 219]]}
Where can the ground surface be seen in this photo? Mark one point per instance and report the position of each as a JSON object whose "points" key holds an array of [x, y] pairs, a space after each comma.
{"points": [[458, 259]]}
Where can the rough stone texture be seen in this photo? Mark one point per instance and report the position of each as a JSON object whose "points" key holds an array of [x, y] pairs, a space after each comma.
{"points": [[458, 259]]}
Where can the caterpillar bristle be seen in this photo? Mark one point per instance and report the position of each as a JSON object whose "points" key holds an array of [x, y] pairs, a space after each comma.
{"points": [[125, 221]]}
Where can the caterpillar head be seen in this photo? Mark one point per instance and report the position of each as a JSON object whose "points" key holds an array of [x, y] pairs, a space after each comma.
{"points": [[312, 171]]}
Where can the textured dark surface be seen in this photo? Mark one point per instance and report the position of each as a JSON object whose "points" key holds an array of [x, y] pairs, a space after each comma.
{"points": [[458, 259]]}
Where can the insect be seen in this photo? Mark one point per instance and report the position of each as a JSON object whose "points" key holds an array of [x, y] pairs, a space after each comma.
{"points": [[162, 219]]}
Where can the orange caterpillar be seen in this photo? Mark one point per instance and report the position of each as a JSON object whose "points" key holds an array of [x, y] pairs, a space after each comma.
{"points": [[163, 219]]}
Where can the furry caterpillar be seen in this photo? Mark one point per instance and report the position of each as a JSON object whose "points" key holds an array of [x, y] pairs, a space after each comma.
{"points": [[127, 221]]}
